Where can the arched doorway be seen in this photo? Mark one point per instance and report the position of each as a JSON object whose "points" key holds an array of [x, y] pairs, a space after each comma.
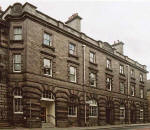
{"points": [[109, 112], [48, 108]]}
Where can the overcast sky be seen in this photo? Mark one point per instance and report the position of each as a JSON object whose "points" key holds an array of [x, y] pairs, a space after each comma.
{"points": [[105, 20]]}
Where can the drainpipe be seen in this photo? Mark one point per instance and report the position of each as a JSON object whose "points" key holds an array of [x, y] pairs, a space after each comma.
{"points": [[128, 92], [84, 90]]}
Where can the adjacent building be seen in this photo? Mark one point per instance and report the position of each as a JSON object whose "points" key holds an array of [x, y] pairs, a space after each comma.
{"points": [[53, 74]]}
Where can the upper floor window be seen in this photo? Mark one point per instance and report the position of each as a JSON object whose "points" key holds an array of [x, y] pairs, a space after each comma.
{"points": [[141, 114], [121, 69], [47, 95], [72, 49], [141, 77], [17, 33], [48, 67], [72, 74], [132, 73], [122, 87], [17, 63], [92, 79], [122, 112], [47, 39], [132, 90], [93, 108], [17, 101], [109, 83], [108, 64], [92, 57], [141, 92]]}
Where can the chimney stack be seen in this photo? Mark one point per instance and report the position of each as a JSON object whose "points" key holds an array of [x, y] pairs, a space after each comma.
{"points": [[74, 21], [118, 45], [1, 10]]}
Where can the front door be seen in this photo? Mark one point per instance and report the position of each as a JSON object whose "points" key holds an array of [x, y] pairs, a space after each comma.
{"points": [[43, 114], [133, 116], [109, 115]]}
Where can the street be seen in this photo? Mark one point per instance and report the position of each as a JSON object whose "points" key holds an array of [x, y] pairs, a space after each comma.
{"points": [[133, 127]]}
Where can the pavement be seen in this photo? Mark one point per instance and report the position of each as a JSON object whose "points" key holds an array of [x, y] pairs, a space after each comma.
{"points": [[145, 126]]}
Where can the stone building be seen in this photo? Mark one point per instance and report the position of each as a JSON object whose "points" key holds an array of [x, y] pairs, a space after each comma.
{"points": [[148, 98], [52, 74]]}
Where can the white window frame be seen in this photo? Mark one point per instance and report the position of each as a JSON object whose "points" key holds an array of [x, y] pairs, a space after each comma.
{"points": [[141, 77], [132, 73], [93, 79], [71, 50], [121, 69], [74, 75], [14, 62], [141, 92], [92, 57], [93, 105], [141, 116], [18, 96], [109, 80], [17, 32], [122, 108], [73, 108], [47, 96], [108, 64], [47, 67], [122, 85], [47, 38]]}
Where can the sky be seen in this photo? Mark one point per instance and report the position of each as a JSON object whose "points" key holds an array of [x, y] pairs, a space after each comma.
{"points": [[105, 20]]}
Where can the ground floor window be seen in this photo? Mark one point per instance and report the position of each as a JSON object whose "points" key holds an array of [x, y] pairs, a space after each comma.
{"points": [[93, 108], [72, 110], [122, 112], [141, 114]]}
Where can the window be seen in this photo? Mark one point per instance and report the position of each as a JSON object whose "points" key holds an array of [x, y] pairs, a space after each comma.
{"points": [[122, 112], [92, 79], [108, 64], [72, 74], [47, 67], [142, 93], [132, 73], [17, 63], [132, 90], [92, 57], [47, 39], [72, 49], [93, 108], [122, 87], [141, 77], [72, 108], [121, 69], [141, 114], [17, 101], [109, 83], [17, 33], [47, 95]]}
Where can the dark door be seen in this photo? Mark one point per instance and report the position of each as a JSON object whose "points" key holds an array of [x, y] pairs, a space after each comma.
{"points": [[133, 116], [109, 116], [43, 114]]}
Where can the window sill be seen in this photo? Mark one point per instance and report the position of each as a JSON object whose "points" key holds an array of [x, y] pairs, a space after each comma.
{"points": [[93, 116], [133, 78], [92, 63], [142, 82], [122, 74], [16, 72], [16, 41], [49, 47], [18, 112], [72, 116], [46, 75], [92, 86], [71, 55]]}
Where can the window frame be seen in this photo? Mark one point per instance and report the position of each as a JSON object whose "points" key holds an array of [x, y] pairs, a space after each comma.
{"points": [[132, 73], [73, 110], [74, 75], [142, 94], [121, 69], [93, 58], [93, 108], [141, 116], [49, 40], [141, 77], [94, 74], [122, 108], [122, 84], [133, 88], [17, 97], [70, 50], [110, 83], [19, 63], [108, 64], [17, 34], [50, 67]]}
